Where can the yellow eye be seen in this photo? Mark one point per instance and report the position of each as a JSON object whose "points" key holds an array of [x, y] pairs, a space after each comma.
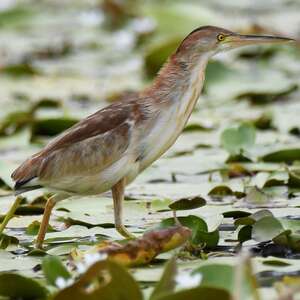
{"points": [[221, 37]]}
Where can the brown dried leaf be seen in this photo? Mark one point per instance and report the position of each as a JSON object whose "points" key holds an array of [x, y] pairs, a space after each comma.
{"points": [[143, 250]]}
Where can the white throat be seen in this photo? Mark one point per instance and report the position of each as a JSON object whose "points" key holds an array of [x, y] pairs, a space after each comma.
{"points": [[195, 83]]}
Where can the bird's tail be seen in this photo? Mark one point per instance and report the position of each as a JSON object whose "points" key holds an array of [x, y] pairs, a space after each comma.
{"points": [[25, 176]]}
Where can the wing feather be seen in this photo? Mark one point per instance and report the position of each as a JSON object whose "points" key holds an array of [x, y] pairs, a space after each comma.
{"points": [[88, 146]]}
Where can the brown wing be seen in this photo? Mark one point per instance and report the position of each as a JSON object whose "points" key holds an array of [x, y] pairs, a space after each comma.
{"points": [[89, 145]]}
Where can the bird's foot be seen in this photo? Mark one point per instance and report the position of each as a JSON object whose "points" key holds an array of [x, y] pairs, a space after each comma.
{"points": [[124, 232], [38, 245]]}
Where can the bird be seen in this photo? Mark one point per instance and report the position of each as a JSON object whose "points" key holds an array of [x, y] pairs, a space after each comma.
{"points": [[110, 148]]}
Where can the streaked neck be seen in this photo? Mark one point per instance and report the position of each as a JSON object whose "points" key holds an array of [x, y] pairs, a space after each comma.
{"points": [[179, 80]]}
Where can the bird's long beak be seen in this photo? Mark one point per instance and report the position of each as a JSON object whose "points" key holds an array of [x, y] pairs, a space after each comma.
{"points": [[237, 40]]}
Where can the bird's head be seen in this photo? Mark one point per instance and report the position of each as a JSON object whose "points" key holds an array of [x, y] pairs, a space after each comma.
{"points": [[211, 40]]}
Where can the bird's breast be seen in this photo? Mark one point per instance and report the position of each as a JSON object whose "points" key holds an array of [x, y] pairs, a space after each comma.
{"points": [[167, 126]]}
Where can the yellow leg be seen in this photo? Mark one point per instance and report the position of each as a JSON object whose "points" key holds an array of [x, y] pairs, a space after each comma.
{"points": [[118, 197], [46, 217], [10, 213]]}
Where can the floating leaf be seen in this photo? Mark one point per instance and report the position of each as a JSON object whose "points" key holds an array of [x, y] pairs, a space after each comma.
{"points": [[238, 139], [20, 70], [33, 228], [105, 280], [288, 239], [209, 239], [200, 234], [263, 122], [235, 214], [192, 222], [15, 16], [239, 158], [217, 275], [143, 250], [29, 210], [203, 293], [14, 122], [261, 84], [294, 179], [221, 191], [245, 234], [257, 198], [266, 229], [188, 203], [276, 263], [53, 268], [222, 276], [244, 221], [7, 240], [16, 286], [166, 284], [286, 155]]}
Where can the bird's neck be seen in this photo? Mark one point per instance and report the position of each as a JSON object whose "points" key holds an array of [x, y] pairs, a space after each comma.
{"points": [[179, 83], [170, 101]]}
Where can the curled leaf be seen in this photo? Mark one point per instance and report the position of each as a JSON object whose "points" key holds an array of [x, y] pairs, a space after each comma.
{"points": [[143, 250]]}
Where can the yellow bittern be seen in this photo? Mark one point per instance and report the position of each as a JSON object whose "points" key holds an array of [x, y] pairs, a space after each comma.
{"points": [[108, 149]]}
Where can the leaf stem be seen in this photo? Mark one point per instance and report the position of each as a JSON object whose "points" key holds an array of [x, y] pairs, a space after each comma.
{"points": [[10, 213]]}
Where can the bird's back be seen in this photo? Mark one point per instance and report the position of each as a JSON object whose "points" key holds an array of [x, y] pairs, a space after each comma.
{"points": [[86, 148]]}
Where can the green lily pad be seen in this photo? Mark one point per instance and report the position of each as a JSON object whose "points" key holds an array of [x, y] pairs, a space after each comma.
{"points": [[53, 268], [245, 233], [285, 155], [221, 276], [256, 197], [203, 293], [33, 228], [276, 263], [188, 203], [266, 229], [166, 284], [221, 191], [95, 284], [200, 234], [16, 286], [238, 139], [7, 240], [235, 214]]}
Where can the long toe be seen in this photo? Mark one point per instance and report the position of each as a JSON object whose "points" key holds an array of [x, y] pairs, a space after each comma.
{"points": [[124, 232]]}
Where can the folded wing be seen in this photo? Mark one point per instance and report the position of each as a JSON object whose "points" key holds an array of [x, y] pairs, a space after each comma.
{"points": [[89, 146]]}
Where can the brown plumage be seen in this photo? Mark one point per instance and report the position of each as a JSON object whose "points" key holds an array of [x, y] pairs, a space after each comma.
{"points": [[105, 133], [108, 149]]}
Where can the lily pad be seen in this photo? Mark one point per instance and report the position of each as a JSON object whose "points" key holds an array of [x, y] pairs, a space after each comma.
{"points": [[266, 229], [235, 140], [53, 268], [16, 286], [188, 203], [285, 155]]}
